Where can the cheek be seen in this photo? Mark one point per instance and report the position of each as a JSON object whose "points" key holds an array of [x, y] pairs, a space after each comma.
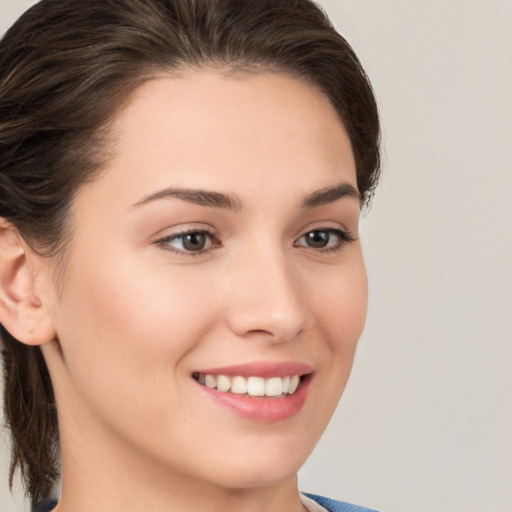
{"points": [[149, 302], [126, 329], [341, 312], [341, 315]]}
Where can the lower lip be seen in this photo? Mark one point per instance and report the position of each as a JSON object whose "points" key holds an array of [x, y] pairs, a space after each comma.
{"points": [[263, 409]]}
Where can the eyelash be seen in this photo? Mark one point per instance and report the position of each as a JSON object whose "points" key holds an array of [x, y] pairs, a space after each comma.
{"points": [[344, 238], [165, 242]]}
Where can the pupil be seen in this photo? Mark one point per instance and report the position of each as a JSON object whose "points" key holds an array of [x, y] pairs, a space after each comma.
{"points": [[194, 241], [317, 238]]}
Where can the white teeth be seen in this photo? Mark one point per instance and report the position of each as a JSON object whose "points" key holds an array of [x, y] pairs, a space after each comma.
{"points": [[210, 381], [223, 383], [294, 382], [253, 386], [256, 386], [274, 387], [239, 385], [286, 384]]}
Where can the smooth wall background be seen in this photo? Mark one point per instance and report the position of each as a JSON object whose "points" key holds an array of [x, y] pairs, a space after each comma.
{"points": [[425, 424]]}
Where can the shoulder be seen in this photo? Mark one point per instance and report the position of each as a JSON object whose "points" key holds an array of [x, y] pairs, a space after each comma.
{"points": [[337, 506]]}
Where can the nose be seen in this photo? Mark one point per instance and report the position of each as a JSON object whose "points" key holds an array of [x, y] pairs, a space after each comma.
{"points": [[266, 299]]}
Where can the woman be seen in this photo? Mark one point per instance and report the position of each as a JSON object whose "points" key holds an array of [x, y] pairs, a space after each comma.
{"points": [[182, 283]]}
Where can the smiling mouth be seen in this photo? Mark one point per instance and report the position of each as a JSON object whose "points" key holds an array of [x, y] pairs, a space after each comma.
{"points": [[274, 387]]}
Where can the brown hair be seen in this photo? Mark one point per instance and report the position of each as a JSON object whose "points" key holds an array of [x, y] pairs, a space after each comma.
{"points": [[67, 66]]}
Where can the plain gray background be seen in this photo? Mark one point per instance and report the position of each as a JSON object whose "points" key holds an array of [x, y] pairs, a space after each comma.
{"points": [[426, 421]]}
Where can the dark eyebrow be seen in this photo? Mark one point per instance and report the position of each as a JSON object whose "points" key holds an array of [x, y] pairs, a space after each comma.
{"points": [[330, 194], [197, 196]]}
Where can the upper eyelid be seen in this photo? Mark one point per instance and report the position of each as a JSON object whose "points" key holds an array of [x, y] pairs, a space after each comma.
{"points": [[343, 233], [179, 234], [176, 231], [324, 227], [190, 231]]}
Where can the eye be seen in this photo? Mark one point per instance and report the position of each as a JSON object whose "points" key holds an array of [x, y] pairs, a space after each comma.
{"points": [[324, 239], [189, 242]]}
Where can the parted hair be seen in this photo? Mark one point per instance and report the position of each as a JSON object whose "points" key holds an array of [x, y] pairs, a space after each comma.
{"points": [[67, 67]]}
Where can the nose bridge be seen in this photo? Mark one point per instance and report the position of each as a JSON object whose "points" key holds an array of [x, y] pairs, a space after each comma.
{"points": [[267, 299]]}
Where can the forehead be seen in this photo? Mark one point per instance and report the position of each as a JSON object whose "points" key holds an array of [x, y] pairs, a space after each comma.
{"points": [[211, 130]]}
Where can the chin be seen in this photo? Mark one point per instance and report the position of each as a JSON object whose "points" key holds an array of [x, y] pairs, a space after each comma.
{"points": [[252, 477], [265, 467]]}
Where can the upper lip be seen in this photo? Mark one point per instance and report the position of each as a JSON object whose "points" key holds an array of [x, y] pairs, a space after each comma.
{"points": [[265, 369]]}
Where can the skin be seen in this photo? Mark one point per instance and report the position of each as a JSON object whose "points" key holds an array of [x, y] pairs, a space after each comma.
{"points": [[133, 320]]}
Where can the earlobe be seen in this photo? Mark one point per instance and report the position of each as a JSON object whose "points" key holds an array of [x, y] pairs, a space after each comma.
{"points": [[21, 310]]}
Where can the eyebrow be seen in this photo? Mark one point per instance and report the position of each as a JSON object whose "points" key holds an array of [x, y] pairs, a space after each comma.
{"points": [[200, 197], [213, 199], [330, 195]]}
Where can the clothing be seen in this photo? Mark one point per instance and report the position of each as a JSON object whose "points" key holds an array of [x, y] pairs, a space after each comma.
{"points": [[310, 505], [46, 506], [336, 506], [310, 501]]}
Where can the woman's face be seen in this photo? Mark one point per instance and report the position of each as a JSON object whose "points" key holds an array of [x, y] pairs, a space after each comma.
{"points": [[222, 239]]}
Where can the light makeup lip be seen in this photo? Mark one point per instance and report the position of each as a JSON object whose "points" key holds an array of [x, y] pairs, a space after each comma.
{"points": [[262, 409], [265, 369]]}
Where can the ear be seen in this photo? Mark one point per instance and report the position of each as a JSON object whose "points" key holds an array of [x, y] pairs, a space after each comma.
{"points": [[22, 312]]}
